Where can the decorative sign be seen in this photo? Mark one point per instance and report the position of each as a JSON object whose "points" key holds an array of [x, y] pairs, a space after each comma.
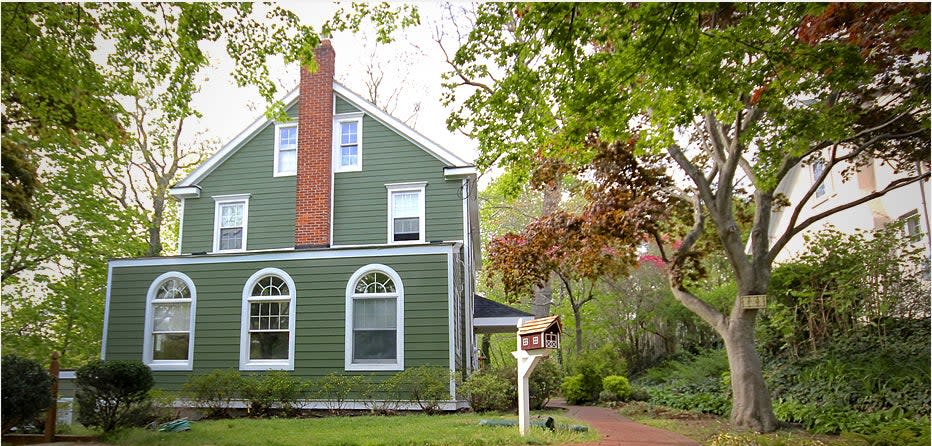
{"points": [[754, 301]]}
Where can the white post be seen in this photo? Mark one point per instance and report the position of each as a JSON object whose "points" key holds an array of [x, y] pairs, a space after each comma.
{"points": [[526, 364]]}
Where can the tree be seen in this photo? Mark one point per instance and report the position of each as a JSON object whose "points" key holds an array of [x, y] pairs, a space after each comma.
{"points": [[735, 96]]}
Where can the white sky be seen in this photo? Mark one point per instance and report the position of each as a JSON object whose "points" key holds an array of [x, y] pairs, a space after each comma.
{"points": [[414, 62]]}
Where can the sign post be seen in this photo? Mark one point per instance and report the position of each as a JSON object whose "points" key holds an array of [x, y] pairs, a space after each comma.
{"points": [[536, 339]]}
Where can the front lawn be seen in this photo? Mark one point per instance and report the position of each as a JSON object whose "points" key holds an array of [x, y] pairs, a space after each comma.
{"points": [[415, 429]]}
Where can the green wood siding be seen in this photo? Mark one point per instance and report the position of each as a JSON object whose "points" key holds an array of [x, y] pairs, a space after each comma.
{"points": [[320, 312], [341, 106], [360, 212], [271, 204]]}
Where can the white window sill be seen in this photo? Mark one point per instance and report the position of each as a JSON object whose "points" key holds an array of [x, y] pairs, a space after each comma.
{"points": [[347, 169], [258, 366], [407, 242], [284, 174], [170, 365], [373, 367], [227, 251]]}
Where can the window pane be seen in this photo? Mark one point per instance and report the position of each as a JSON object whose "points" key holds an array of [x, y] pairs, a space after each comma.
{"points": [[287, 138], [171, 317], [170, 346], [287, 160], [818, 167], [270, 286], [374, 346], [268, 345], [375, 282], [407, 226], [231, 238], [406, 204], [349, 155], [348, 134], [173, 289], [374, 314], [231, 215]]}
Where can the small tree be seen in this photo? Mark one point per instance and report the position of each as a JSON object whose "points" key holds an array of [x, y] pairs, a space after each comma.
{"points": [[112, 394], [27, 390]]}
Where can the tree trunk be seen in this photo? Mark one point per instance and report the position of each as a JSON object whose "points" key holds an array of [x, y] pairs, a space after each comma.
{"points": [[751, 404], [577, 317], [155, 227], [543, 293]]}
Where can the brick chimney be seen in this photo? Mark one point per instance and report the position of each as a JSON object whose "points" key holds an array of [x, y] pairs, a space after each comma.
{"points": [[314, 175]]}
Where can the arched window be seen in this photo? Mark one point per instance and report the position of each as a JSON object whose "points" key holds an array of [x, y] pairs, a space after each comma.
{"points": [[268, 321], [374, 320], [169, 326]]}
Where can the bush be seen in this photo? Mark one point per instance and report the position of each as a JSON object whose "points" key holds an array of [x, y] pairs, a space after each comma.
{"points": [[426, 385], [272, 388], [113, 394], [214, 391], [544, 383], [379, 397], [163, 405], [592, 366], [27, 390], [334, 389], [573, 389], [487, 391], [617, 385]]}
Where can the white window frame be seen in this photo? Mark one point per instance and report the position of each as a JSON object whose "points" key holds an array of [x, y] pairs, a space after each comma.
{"points": [[421, 188], [275, 171], [245, 363], [338, 120], [169, 364], [399, 296], [220, 200]]}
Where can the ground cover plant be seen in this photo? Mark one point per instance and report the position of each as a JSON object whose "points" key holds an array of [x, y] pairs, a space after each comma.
{"points": [[414, 429]]}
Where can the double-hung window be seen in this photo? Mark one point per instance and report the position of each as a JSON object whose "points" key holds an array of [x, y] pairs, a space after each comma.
{"points": [[406, 212], [267, 337], [818, 168], [286, 149], [231, 217], [347, 142], [374, 320], [169, 326]]}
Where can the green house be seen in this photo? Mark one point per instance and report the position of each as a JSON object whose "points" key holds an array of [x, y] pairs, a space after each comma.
{"points": [[338, 241]]}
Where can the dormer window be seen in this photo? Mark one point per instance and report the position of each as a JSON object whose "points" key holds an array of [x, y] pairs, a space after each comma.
{"points": [[347, 143], [286, 149], [406, 212]]}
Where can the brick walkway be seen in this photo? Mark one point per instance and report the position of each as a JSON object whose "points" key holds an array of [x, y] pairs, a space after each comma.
{"points": [[620, 431]]}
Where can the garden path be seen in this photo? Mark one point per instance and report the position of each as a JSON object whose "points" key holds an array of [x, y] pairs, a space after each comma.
{"points": [[617, 430]]}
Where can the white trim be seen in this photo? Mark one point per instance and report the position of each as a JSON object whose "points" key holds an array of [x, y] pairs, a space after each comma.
{"points": [[421, 188], [468, 292], [231, 147], [451, 325], [180, 224], [285, 255], [278, 127], [267, 364], [174, 364], [337, 140], [181, 193], [399, 295], [220, 200], [103, 343], [408, 133], [458, 172]]}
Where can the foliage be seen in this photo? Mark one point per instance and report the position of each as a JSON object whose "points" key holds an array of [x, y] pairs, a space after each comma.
{"points": [[271, 389], [885, 427], [27, 390], [574, 389], [428, 386], [692, 382], [113, 394], [844, 283], [590, 368], [543, 383], [334, 389], [618, 386], [214, 390], [487, 390]]}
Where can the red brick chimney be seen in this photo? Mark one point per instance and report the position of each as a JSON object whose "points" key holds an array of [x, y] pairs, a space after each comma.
{"points": [[314, 175]]}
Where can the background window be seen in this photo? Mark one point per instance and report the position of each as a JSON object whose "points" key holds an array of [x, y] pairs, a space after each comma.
{"points": [[286, 150], [818, 167], [912, 227], [169, 323], [374, 320], [231, 221], [268, 321], [349, 143]]}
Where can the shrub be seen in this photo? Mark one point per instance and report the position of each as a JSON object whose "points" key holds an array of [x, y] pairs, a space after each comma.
{"points": [[544, 383], [573, 389], [113, 394], [607, 396], [594, 365], [163, 405], [487, 391], [426, 385], [618, 385], [379, 397], [272, 388], [214, 391], [334, 389], [27, 390]]}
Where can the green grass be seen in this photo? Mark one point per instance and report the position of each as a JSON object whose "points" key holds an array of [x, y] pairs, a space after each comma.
{"points": [[415, 429], [713, 430]]}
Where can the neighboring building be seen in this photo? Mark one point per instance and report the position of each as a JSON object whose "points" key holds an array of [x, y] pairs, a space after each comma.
{"points": [[341, 241], [909, 203]]}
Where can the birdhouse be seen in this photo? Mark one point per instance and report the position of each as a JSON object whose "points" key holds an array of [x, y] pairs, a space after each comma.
{"points": [[543, 333]]}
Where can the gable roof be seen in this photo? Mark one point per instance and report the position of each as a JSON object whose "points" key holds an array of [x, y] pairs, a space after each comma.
{"points": [[483, 307], [184, 186], [539, 325]]}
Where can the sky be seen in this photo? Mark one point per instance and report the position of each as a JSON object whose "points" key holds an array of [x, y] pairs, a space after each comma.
{"points": [[414, 63]]}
